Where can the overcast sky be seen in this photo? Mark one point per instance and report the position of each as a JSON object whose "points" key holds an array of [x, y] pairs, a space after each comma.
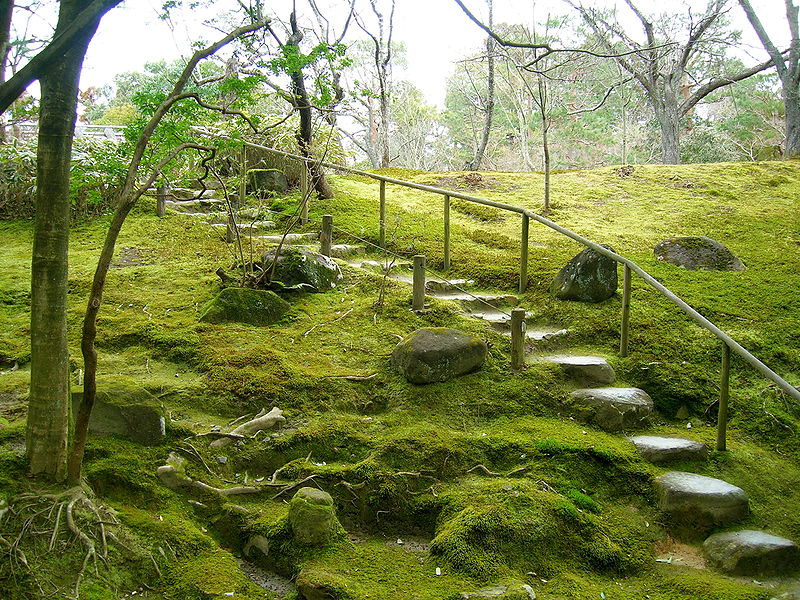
{"points": [[436, 33]]}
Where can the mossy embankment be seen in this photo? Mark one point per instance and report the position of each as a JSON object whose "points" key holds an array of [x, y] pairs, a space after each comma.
{"points": [[560, 506]]}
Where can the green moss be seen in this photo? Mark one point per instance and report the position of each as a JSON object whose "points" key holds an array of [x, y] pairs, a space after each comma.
{"points": [[242, 305], [209, 575]]}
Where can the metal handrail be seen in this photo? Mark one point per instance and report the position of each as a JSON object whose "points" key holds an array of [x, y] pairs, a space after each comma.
{"points": [[728, 341]]}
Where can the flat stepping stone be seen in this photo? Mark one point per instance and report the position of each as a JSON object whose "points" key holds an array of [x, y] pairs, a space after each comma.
{"points": [[589, 369], [345, 250], [196, 206], [694, 504], [180, 194], [656, 449], [290, 238], [752, 552], [249, 228], [440, 286], [611, 409]]}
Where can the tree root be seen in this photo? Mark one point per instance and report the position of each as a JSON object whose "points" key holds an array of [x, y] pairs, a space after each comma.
{"points": [[483, 469]]}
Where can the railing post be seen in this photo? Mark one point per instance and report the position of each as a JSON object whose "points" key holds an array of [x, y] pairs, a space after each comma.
{"points": [[243, 179], [446, 233], [724, 392], [517, 338], [418, 299], [626, 312], [327, 235], [304, 192], [523, 259], [382, 225], [161, 200]]}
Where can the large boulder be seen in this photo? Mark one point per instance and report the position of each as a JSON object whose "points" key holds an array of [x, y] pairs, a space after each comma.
{"points": [[695, 504], [244, 305], [588, 277], [612, 409], [266, 182], [297, 266], [752, 553], [312, 517], [697, 252], [435, 354], [126, 411]]}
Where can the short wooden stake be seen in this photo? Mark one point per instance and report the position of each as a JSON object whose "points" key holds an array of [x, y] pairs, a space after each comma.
{"points": [[418, 299], [304, 192], [517, 338], [382, 234], [161, 200], [446, 233], [626, 312], [243, 178], [724, 393], [523, 259], [230, 230], [327, 235]]}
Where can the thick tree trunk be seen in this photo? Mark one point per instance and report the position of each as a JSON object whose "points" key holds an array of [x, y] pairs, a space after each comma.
{"points": [[791, 101], [670, 124], [48, 405], [6, 10]]}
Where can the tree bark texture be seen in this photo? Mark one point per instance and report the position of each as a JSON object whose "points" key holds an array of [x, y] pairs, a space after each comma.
{"points": [[48, 405], [480, 151], [6, 10]]}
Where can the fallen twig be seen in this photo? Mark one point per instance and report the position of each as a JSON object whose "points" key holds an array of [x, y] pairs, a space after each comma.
{"points": [[339, 318]]}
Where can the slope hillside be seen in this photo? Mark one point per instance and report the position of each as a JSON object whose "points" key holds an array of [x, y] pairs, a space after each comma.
{"points": [[483, 486]]}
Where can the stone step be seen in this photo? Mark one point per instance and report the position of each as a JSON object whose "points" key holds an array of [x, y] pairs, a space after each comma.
{"points": [[584, 369], [249, 228], [445, 286], [345, 250], [537, 334], [656, 449], [478, 303], [290, 238], [695, 504], [750, 552], [196, 206], [610, 408], [181, 194]]}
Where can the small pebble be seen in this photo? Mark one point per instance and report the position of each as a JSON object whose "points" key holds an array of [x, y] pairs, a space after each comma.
{"points": [[399, 542], [223, 460], [438, 571]]}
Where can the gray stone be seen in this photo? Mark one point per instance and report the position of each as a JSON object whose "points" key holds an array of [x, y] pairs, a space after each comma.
{"points": [[697, 252], [438, 354], [588, 277], [669, 449], [312, 517], [290, 238], [196, 206], [585, 369], [502, 592], [266, 182], [244, 305], [612, 409], [441, 286], [345, 250], [752, 553], [694, 504], [124, 410], [256, 545], [296, 266]]}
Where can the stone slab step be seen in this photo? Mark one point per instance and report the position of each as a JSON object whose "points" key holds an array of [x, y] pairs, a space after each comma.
{"points": [[249, 228], [196, 206], [658, 449], [585, 369], [345, 250], [442, 286], [291, 238], [181, 194], [610, 408], [752, 552], [478, 303], [695, 504]]}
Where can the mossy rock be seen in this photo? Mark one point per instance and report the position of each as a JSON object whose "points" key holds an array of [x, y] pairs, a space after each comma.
{"points": [[124, 410], [296, 267], [435, 354], [698, 253], [266, 182], [243, 305], [588, 277], [312, 517]]}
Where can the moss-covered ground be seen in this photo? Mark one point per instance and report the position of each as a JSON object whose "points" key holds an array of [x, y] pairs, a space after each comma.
{"points": [[571, 511]]}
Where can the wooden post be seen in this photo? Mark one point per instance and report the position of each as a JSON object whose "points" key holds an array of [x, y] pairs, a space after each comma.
{"points": [[327, 235], [243, 178], [161, 200], [523, 259], [517, 338], [446, 233], [626, 312], [304, 192], [234, 200], [418, 299], [724, 392], [382, 238]]}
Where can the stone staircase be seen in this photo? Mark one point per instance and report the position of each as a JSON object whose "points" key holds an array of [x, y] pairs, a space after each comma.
{"points": [[693, 505]]}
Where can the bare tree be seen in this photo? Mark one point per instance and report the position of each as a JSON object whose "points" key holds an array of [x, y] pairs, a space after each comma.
{"points": [[488, 107], [675, 75], [788, 68]]}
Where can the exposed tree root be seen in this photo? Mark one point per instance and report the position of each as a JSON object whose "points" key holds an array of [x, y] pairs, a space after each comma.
{"points": [[43, 523]]}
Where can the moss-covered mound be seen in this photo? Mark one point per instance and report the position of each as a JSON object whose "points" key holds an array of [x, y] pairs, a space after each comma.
{"points": [[243, 305]]}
